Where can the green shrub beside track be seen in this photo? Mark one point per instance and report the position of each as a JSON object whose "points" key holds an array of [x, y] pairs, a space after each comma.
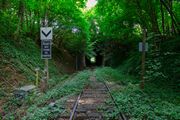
{"points": [[39, 108], [154, 103]]}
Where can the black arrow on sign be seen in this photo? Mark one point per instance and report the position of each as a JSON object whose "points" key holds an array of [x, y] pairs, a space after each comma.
{"points": [[45, 33]]}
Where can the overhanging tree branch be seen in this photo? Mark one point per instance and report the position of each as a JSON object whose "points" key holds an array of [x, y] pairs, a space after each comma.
{"points": [[173, 17]]}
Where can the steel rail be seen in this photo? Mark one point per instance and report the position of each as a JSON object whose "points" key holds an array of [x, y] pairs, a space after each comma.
{"points": [[75, 107], [122, 116]]}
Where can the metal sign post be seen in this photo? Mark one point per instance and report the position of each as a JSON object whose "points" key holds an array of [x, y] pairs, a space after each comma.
{"points": [[46, 48]]}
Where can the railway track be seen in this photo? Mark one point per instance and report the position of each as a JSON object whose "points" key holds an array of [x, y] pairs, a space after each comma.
{"points": [[89, 101]]}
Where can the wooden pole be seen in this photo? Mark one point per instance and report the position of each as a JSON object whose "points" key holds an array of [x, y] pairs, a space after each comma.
{"points": [[143, 58], [47, 71]]}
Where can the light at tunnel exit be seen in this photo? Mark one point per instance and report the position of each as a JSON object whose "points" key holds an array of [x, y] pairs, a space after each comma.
{"points": [[93, 60]]}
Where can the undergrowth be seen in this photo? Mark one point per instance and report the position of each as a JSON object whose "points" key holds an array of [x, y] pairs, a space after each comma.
{"points": [[25, 57], [39, 108], [153, 103]]}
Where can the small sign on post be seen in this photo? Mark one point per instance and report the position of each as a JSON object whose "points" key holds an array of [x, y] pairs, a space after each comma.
{"points": [[143, 47], [46, 41], [46, 36], [46, 33], [46, 49]]}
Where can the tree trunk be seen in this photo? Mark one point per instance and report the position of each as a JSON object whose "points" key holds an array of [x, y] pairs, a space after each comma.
{"points": [[80, 61], [173, 17], [83, 61], [76, 64], [140, 14], [162, 18], [172, 21], [104, 59], [21, 12], [3, 4], [27, 20], [21, 20], [32, 24], [153, 17]]}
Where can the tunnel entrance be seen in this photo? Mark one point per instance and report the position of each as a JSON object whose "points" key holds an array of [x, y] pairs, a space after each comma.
{"points": [[94, 61]]}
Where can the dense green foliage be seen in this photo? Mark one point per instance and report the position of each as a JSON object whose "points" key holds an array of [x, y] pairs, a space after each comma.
{"points": [[153, 103], [120, 25], [20, 19], [111, 30], [25, 58]]}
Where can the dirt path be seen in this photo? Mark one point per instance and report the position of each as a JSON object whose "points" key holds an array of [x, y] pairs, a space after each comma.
{"points": [[93, 97]]}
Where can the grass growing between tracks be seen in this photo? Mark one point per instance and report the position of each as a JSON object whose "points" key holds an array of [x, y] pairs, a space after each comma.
{"points": [[153, 103], [40, 107]]}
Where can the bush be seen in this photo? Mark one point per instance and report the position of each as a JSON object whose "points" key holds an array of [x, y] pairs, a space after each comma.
{"points": [[153, 103]]}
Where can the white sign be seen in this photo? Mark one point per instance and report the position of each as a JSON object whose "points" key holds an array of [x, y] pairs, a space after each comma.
{"points": [[143, 47], [46, 33]]}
